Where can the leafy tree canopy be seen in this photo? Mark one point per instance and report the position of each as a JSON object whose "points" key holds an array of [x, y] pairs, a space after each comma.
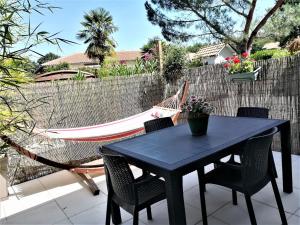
{"points": [[97, 29], [230, 21], [284, 25], [194, 47], [48, 57]]}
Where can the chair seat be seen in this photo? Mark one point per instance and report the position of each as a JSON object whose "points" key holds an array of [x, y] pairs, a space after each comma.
{"points": [[153, 190], [225, 176]]}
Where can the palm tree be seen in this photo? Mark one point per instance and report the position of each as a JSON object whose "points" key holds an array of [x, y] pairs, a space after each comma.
{"points": [[98, 27]]}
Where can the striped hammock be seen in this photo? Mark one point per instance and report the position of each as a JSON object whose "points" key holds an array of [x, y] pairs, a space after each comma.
{"points": [[121, 128]]}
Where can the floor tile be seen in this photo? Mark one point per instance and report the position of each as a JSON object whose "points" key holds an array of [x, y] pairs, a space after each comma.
{"points": [[96, 215], [294, 220], [79, 201], [239, 214], [63, 222], [297, 212], [160, 215], [45, 214], [190, 180], [215, 197], [213, 221], [290, 202], [61, 183]]}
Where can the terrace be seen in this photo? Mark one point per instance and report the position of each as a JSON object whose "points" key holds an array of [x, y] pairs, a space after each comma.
{"points": [[62, 198]]}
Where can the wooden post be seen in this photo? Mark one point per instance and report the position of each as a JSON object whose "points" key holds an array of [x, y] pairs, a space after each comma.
{"points": [[160, 56]]}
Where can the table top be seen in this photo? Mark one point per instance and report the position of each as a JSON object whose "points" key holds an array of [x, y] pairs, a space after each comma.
{"points": [[175, 147]]}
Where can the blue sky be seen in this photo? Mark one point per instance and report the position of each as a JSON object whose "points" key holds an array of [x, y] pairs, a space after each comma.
{"points": [[128, 15]]}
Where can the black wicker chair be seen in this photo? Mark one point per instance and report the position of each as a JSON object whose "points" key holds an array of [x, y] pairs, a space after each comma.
{"points": [[158, 124], [250, 176], [257, 112], [127, 192]]}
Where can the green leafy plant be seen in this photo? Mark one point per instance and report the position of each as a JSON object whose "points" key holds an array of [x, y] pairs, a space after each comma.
{"points": [[61, 66], [174, 62], [242, 64], [18, 39], [270, 53], [79, 76]]}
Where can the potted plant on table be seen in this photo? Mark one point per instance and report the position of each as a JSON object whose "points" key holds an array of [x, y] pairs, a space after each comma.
{"points": [[241, 68], [198, 111]]}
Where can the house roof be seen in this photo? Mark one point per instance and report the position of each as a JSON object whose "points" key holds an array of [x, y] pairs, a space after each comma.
{"points": [[271, 45], [211, 50], [79, 58]]}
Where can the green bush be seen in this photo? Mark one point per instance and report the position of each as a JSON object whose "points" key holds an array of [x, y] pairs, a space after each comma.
{"points": [[270, 53], [195, 63], [174, 63], [61, 66]]}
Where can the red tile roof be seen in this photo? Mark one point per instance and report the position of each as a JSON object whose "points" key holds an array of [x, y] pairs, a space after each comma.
{"points": [[81, 58]]}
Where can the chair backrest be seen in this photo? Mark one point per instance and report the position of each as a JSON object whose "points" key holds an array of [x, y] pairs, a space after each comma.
{"points": [[253, 112], [157, 124], [119, 176], [255, 158]]}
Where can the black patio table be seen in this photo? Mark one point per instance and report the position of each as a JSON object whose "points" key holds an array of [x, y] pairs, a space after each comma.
{"points": [[174, 152]]}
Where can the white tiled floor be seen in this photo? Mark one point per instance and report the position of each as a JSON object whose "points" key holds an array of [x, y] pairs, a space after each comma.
{"points": [[62, 198]]}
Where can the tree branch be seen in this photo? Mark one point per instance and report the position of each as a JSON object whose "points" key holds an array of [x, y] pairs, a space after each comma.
{"points": [[233, 9], [278, 4], [211, 25], [249, 17]]}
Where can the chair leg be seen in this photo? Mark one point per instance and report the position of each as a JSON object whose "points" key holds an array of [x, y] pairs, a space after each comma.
{"points": [[108, 211], [234, 197], [272, 164], [250, 210], [279, 202], [135, 217], [203, 205], [149, 213]]}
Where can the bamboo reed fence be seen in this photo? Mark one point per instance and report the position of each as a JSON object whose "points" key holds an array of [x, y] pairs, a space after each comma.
{"points": [[83, 103]]}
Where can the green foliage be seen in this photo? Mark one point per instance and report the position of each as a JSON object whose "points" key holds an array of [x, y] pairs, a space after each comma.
{"points": [[79, 76], [282, 26], [271, 53], [230, 21], [150, 45], [97, 29], [174, 62], [197, 62], [61, 66], [194, 48], [121, 69], [18, 39], [48, 57]]}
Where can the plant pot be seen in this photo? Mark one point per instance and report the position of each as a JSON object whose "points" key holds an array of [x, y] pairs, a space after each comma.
{"points": [[3, 176], [198, 123], [250, 76]]}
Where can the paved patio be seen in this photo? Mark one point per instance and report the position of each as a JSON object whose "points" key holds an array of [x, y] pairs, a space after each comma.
{"points": [[62, 198]]}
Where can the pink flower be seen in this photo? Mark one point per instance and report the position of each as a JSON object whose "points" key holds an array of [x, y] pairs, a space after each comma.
{"points": [[226, 65], [227, 58], [245, 54], [123, 62]]}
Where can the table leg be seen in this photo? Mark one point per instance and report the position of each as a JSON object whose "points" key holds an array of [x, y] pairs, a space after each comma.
{"points": [[175, 200], [285, 135]]}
